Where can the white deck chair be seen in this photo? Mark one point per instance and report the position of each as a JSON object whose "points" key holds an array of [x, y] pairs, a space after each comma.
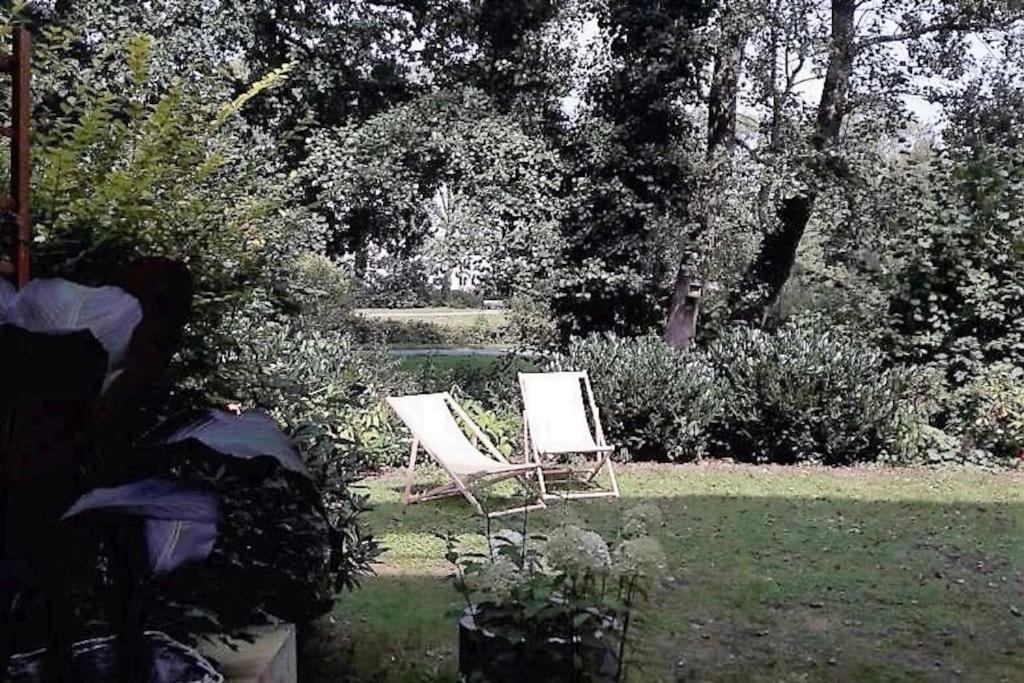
{"points": [[433, 420], [555, 423]]}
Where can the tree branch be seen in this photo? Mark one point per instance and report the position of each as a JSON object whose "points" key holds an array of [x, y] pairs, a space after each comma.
{"points": [[938, 27]]}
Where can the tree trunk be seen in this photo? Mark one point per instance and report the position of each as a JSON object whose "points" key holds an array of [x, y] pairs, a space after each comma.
{"points": [[681, 325], [762, 283]]}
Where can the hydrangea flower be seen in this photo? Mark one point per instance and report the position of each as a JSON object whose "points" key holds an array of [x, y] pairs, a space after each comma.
{"points": [[507, 537], [499, 579], [641, 520], [641, 557], [577, 551]]}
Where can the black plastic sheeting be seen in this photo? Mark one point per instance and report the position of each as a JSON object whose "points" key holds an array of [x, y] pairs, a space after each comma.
{"points": [[483, 653], [94, 661]]}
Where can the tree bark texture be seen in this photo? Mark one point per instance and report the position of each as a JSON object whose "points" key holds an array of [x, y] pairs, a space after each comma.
{"points": [[762, 283], [681, 325]]}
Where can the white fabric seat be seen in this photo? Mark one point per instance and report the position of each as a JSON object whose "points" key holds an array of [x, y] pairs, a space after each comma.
{"points": [[433, 420], [555, 423], [430, 419], [555, 410]]}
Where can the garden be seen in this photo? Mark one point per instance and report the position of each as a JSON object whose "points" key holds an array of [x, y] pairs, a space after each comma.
{"points": [[725, 297]]}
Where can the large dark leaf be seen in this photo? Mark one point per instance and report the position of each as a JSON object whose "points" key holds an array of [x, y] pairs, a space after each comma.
{"points": [[50, 383], [6, 294], [164, 290], [253, 434], [59, 306], [180, 522], [14, 575]]}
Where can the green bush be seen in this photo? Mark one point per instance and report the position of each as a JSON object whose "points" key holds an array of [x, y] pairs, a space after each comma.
{"points": [[656, 403], [321, 384], [959, 294], [463, 299], [396, 282], [322, 289], [988, 415], [480, 332], [531, 324], [130, 165], [491, 381], [807, 394], [503, 425]]}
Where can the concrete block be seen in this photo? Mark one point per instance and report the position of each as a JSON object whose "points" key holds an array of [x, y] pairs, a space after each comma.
{"points": [[270, 659]]}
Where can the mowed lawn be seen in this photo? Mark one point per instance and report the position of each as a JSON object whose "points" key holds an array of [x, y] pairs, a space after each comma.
{"points": [[441, 321], [777, 574]]}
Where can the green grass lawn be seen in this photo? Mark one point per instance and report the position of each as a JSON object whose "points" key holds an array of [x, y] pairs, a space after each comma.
{"points": [[777, 574], [461, 366], [440, 315]]}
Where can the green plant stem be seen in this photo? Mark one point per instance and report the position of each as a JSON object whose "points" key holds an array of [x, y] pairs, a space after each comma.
{"points": [[620, 674]]}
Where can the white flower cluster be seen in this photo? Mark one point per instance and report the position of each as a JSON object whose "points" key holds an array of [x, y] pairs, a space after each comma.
{"points": [[507, 537], [499, 579], [640, 557], [577, 551], [642, 520]]}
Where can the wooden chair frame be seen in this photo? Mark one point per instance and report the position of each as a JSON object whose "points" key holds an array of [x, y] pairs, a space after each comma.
{"points": [[462, 484], [603, 451]]}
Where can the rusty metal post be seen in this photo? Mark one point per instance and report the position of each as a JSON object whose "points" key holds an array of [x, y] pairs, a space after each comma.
{"points": [[21, 113]]}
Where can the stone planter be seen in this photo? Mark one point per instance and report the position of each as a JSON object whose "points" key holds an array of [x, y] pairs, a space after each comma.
{"points": [[95, 661], [270, 658], [483, 651]]}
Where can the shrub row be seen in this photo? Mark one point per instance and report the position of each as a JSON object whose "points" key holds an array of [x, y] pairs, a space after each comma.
{"points": [[656, 404], [803, 394]]}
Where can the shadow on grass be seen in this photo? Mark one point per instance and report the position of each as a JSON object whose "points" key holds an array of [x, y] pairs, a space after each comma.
{"points": [[758, 588]]}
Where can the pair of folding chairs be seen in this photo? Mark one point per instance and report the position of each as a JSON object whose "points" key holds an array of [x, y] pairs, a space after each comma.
{"points": [[555, 425]]}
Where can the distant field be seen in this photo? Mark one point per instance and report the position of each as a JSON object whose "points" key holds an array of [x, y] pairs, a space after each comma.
{"points": [[444, 317], [434, 327]]}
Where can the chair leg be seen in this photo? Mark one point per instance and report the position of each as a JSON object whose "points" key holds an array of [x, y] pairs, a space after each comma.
{"points": [[588, 475], [611, 474], [473, 501], [539, 505], [442, 491], [541, 483], [407, 498], [530, 452], [601, 460]]}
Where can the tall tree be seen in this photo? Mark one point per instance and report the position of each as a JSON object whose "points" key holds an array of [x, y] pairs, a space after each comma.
{"points": [[631, 167], [850, 44], [734, 26], [516, 51]]}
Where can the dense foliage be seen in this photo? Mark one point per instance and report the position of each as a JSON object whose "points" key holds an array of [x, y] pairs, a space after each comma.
{"points": [[986, 416], [960, 293], [630, 175], [130, 164], [656, 403], [799, 395], [317, 382], [480, 199], [807, 394]]}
